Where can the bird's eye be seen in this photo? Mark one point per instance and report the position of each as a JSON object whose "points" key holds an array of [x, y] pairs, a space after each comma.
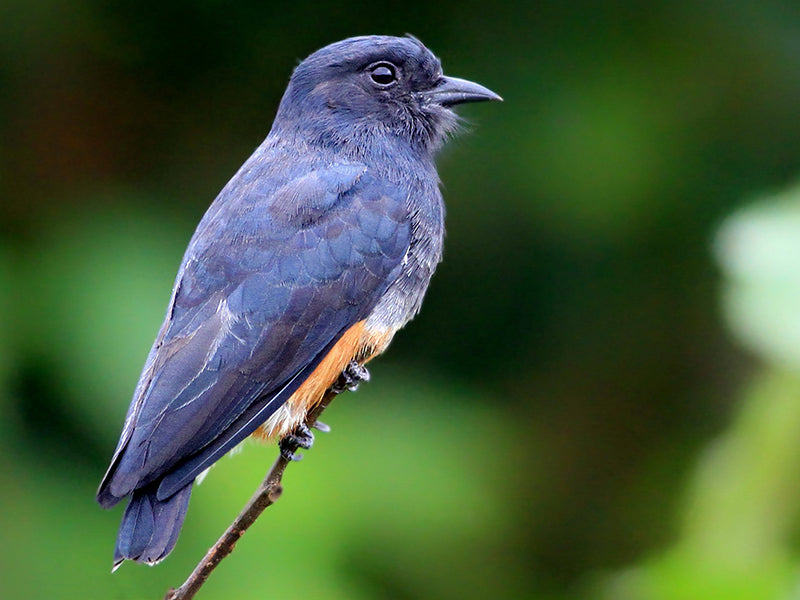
{"points": [[383, 74]]}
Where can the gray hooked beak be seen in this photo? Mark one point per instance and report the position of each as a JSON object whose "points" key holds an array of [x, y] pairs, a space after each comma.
{"points": [[452, 90]]}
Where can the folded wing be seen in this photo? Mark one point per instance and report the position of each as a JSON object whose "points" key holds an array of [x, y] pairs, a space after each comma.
{"points": [[271, 280]]}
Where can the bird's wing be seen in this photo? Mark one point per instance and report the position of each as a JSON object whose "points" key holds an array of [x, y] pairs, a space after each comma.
{"points": [[267, 287]]}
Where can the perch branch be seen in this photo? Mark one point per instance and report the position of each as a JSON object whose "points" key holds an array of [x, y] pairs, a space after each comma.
{"points": [[266, 495]]}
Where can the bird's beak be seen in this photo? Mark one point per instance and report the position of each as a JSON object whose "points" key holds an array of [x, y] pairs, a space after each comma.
{"points": [[452, 90]]}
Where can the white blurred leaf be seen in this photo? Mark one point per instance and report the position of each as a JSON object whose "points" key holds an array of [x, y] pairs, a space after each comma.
{"points": [[758, 249]]}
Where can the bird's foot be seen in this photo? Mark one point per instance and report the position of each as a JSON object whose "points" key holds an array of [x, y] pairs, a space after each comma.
{"points": [[301, 437], [353, 374]]}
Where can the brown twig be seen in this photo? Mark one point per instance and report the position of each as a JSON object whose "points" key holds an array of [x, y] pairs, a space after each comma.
{"points": [[266, 495]]}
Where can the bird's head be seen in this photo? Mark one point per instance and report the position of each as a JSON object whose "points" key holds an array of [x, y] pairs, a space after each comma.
{"points": [[374, 87]]}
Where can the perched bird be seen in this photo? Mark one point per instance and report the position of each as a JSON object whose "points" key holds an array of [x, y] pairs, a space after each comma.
{"points": [[310, 259]]}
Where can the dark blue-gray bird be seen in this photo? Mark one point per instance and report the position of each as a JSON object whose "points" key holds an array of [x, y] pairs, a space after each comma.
{"points": [[310, 259]]}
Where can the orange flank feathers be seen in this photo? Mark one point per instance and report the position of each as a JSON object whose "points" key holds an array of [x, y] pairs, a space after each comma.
{"points": [[357, 343]]}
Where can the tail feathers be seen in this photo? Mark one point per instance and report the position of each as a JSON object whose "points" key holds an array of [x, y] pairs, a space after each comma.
{"points": [[150, 526]]}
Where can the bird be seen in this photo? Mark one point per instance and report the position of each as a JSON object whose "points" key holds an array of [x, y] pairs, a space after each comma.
{"points": [[317, 251]]}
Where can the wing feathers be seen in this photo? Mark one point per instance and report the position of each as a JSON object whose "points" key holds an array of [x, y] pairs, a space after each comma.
{"points": [[246, 424], [264, 290]]}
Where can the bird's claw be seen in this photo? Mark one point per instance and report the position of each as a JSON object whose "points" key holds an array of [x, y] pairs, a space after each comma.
{"points": [[353, 374], [301, 437]]}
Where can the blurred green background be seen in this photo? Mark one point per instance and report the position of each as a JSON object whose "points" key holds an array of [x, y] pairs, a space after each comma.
{"points": [[601, 396]]}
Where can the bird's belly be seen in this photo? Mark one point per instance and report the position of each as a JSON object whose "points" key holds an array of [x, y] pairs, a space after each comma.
{"points": [[360, 343]]}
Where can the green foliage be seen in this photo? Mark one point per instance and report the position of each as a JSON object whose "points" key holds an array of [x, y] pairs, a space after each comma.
{"points": [[116, 264], [740, 516]]}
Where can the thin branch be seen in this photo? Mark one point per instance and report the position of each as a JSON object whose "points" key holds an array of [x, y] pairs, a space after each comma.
{"points": [[266, 495]]}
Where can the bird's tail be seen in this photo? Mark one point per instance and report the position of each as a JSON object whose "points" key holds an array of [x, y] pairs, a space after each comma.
{"points": [[150, 526]]}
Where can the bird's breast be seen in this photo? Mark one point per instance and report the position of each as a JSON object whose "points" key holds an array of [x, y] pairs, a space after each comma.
{"points": [[403, 297]]}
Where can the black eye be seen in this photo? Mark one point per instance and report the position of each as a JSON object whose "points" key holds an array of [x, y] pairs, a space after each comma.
{"points": [[384, 74]]}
